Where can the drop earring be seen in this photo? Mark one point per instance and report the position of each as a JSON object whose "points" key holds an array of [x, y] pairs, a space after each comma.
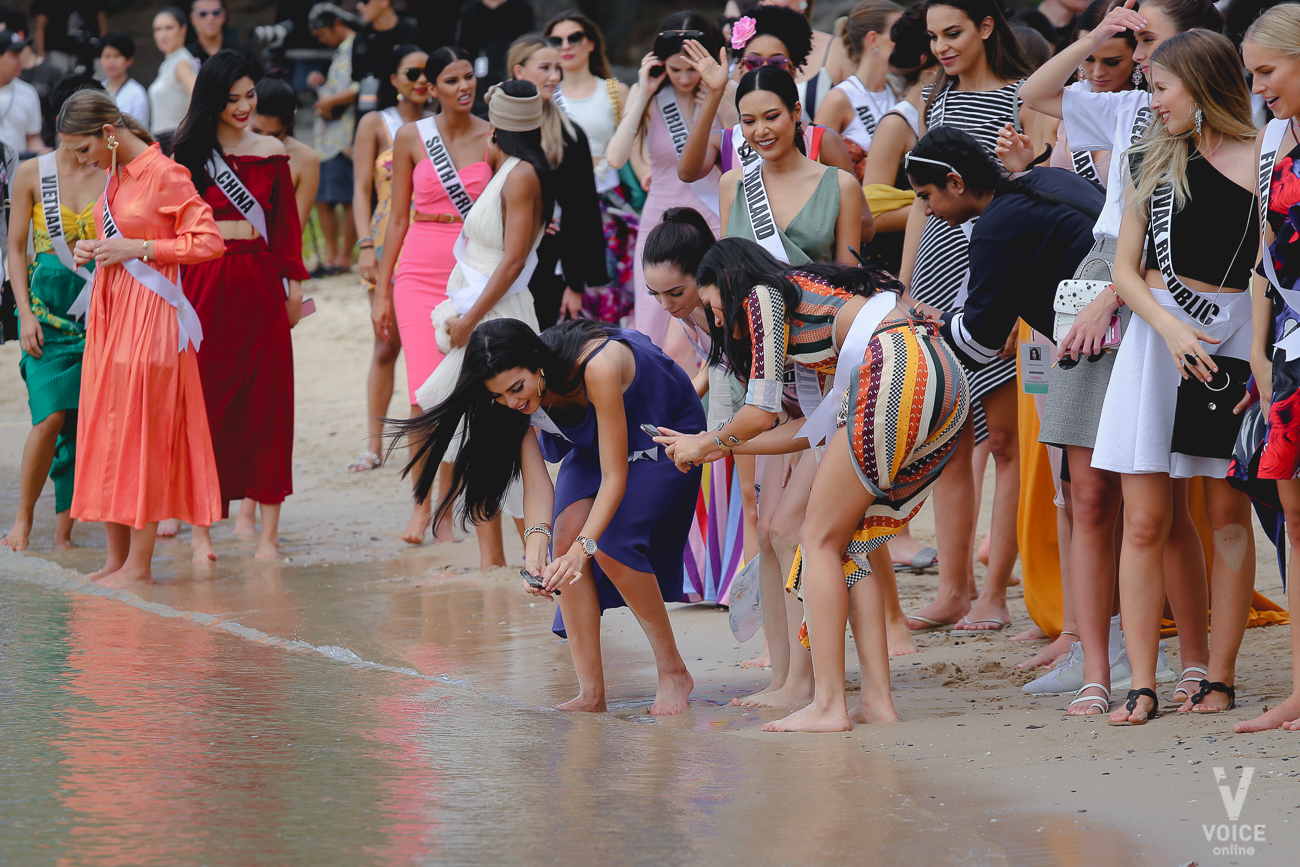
{"points": [[111, 143], [1137, 77], [1082, 75], [1199, 117]]}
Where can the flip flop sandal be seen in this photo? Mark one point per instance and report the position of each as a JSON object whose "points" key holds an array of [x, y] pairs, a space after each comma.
{"points": [[1208, 687], [926, 559], [1102, 702], [363, 462], [1132, 703], [930, 625], [958, 627], [1186, 678]]}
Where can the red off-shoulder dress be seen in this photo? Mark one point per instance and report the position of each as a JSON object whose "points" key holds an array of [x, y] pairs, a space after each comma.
{"points": [[246, 361]]}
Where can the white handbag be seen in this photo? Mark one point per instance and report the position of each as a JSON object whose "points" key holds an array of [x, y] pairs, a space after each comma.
{"points": [[1071, 297]]}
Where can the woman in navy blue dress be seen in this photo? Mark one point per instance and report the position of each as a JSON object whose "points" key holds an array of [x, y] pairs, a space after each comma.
{"points": [[590, 389]]}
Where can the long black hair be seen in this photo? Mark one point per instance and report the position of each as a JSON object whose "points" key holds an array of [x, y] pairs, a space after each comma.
{"points": [[196, 137], [387, 95], [527, 145], [737, 265], [276, 98], [978, 169], [680, 239], [489, 457], [780, 82]]}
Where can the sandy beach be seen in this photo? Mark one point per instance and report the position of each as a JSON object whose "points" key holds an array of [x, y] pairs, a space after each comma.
{"points": [[423, 684]]}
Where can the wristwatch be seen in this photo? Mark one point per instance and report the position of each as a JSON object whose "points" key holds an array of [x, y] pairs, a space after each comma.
{"points": [[588, 545]]}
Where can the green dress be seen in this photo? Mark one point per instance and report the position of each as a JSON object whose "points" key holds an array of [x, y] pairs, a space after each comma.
{"points": [[54, 379], [810, 236]]}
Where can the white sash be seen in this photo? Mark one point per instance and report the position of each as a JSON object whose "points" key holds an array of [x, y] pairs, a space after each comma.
{"points": [[392, 121], [1197, 306], [1084, 167], [52, 204], [759, 206], [476, 281], [860, 100], [443, 165], [237, 194], [557, 97], [1273, 135], [188, 327], [820, 426], [678, 131]]}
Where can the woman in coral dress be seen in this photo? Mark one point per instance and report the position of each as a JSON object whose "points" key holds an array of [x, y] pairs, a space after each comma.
{"points": [[142, 430], [425, 223], [248, 299]]}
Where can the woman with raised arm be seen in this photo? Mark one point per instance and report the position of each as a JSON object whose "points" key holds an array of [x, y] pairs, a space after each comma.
{"points": [[575, 242], [983, 68], [1112, 121], [140, 365], [247, 360], [887, 363], [593, 99], [1186, 352], [53, 199], [495, 258], [402, 100], [1271, 50], [855, 106], [661, 109], [440, 167], [619, 509]]}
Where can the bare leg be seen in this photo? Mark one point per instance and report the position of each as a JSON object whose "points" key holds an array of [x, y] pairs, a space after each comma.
{"points": [[63, 524], [38, 457], [900, 637], [1004, 444], [444, 532], [491, 546], [1232, 588], [422, 512], [835, 511], [1095, 499], [268, 547], [1287, 714], [581, 609], [641, 592], [329, 227], [1186, 583], [246, 519], [771, 581], [954, 525], [379, 388], [1148, 510], [867, 598], [201, 550], [118, 539], [979, 466], [168, 528], [137, 569], [903, 547], [344, 259], [745, 470]]}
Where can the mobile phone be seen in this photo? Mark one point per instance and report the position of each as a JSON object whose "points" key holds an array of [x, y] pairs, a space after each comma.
{"points": [[651, 430], [308, 308], [534, 581], [1112, 333]]}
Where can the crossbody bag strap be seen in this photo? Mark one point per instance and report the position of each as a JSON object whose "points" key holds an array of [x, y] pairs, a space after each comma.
{"points": [[1015, 106]]}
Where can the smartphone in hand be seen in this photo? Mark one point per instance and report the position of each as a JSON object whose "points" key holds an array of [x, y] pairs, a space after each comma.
{"points": [[534, 581], [651, 430]]}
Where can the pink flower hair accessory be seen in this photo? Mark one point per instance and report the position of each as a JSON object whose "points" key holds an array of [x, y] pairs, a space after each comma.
{"points": [[742, 31]]}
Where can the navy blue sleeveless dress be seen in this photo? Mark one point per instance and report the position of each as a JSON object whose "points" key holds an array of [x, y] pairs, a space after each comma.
{"points": [[649, 531]]}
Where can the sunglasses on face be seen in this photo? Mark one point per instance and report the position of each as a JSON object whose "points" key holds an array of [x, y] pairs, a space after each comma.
{"points": [[210, 13], [413, 73], [571, 41], [753, 61]]}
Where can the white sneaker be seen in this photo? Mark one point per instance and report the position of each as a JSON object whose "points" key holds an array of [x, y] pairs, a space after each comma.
{"points": [[1066, 676], [1164, 674], [1121, 671]]}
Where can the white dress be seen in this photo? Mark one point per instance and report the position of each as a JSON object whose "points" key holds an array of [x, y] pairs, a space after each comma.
{"points": [[168, 101]]}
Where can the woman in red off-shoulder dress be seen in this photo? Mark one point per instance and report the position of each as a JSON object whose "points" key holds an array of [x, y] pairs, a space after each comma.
{"points": [[247, 300]]}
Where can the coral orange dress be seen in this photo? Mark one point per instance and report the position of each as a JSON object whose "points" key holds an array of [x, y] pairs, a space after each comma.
{"points": [[144, 451]]}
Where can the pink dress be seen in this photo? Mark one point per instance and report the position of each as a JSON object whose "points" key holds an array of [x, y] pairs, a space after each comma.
{"points": [[427, 261], [666, 191]]}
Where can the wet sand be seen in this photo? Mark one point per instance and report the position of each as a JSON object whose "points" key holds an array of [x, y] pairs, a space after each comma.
{"points": [[365, 702]]}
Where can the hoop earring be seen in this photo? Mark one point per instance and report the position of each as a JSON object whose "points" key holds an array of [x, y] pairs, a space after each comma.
{"points": [[541, 384], [112, 143], [1137, 76], [1199, 117]]}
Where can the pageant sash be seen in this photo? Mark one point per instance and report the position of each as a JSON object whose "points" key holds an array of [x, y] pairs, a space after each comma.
{"points": [[476, 281], [188, 327], [237, 194], [392, 122], [820, 426], [557, 97], [1084, 167], [443, 165], [860, 99], [758, 205], [1200, 308], [1273, 134], [52, 205], [678, 131]]}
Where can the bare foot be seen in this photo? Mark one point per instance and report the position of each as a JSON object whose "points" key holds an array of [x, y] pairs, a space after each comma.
{"points": [[583, 704], [674, 693], [63, 544], [984, 617], [1013, 580], [789, 695], [899, 635], [938, 612], [902, 548], [763, 660], [1033, 633], [983, 554], [1049, 654], [103, 572], [63, 524], [1285, 716], [415, 530], [810, 719], [125, 577], [243, 528], [267, 551], [201, 550], [168, 528], [863, 715], [17, 538]]}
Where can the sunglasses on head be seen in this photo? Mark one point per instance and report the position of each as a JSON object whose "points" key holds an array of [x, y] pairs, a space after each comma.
{"points": [[572, 40], [681, 34], [413, 73], [753, 61], [908, 159]]}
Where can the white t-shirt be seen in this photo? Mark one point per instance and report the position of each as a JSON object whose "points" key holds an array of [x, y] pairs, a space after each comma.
{"points": [[20, 114], [1106, 122], [133, 99]]}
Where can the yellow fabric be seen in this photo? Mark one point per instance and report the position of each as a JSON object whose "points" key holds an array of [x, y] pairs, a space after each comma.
{"points": [[76, 227], [882, 198]]}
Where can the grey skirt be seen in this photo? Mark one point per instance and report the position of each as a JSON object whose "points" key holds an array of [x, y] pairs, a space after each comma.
{"points": [[1075, 396]]}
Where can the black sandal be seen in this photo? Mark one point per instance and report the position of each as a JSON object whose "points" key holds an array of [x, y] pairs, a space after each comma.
{"points": [[1132, 703], [1208, 687]]}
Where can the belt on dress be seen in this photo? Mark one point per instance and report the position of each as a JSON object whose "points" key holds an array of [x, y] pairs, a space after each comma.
{"points": [[437, 218]]}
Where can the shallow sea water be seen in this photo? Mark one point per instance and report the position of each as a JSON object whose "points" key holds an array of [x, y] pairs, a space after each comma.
{"points": [[359, 715]]}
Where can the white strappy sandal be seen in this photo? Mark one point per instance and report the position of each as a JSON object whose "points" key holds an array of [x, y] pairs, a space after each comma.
{"points": [[1187, 677], [1102, 702]]}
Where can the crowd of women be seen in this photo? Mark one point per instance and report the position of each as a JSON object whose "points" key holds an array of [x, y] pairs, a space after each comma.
{"points": [[840, 245]]}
